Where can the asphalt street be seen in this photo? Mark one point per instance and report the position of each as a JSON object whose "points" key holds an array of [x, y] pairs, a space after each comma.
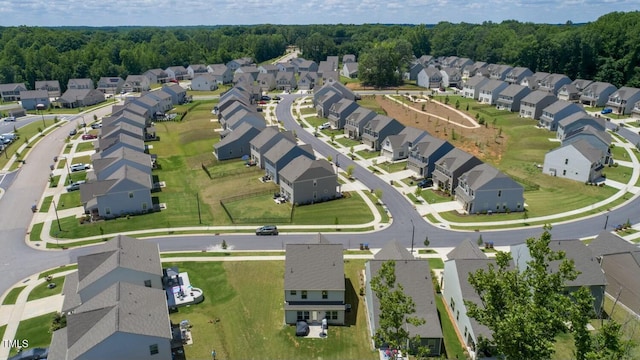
{"points": [[18, 260]]}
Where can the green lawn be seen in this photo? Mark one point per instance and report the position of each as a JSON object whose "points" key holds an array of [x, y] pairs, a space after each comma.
{"points": [[393, 167], [630, 325], [452, 345], [36, 330], [307, 111], [61, 163], [57, 270], [86, 159], [435, 263], [54, 181], [381, 210], [42, 290], [77, 176], [348, 210], [259, 209], [433, 197], [369, 102], [12, 296], [2, 330], [36, 230], [618, 173], [46, 203], [69, 199], [620, 153], [84, 146], [346, 142], [315, 121], [244, 318], [366, 154]]}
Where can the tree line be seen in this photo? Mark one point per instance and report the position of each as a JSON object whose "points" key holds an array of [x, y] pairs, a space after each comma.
{"points": [[607, 49]]}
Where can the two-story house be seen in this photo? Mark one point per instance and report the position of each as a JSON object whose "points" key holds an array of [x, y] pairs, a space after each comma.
{"points": [[450, 167], [623, 100], [517, 74], [471, 88], [485, 189], [11, 92], [264, 141], [424, 154], [429, 78], [490, 91], [177, 73], [51, 86], [554, 113], [279, 156], [156, 76], [576, 121], [33, 99], [356, 121], [397, 147], [597, 94], [307, 181], [221, 73], [378, 128], [579, 161], [553, 83], [339, 111], [531, 105], [510, 98]]}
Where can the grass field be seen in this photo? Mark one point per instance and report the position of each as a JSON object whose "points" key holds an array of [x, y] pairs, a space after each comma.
{"points": [[348, 210], [36, 330], [46, 203], [12, 296], [230, 289], [433, 197], [85, 146], [42, 290], [36, 230], [366, 154], [259, 209], [618, 173], [346, 142]]}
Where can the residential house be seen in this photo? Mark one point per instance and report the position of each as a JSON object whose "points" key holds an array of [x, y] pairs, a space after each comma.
{"points": [[127, 117], [73, 98], [121, 259], [325, 67], [414, 70], [314, 283], [264, 141], [80, 84], [121, 128], [339, 111], [635, 113], [286, 67], [286, 81], [517, 74], [597, 138], [378, 128], [449, 61], [221, 73], [427, 60], [231, 109], [322, 101], [577, 121], [104, 167], [590, 275], [333, 61], [553, 83], [472, 70], [511, 97], [136, 83], [490, 91], [572, 92], [347, 58], [177, 92], [249, 69], [461, 63], [397, 147], [429, 78], [242, 116], [451, 77], [557, 111], [195, 70], [110, 84], [266, 82], [330, 77], [581, 84], [268, 69], [151, 105], [597, 94], [178, 73], [356, 121], [107, 146], [350, 70], [456, 289], [424, 154], [620, 261], [471, 88], [533, 81], [531, 106], [499, 72], [126, 191], [156, 76], [235, 64], [466, 250], [578, 161], [450, 167], [51, 86], [204, 82], [415, 277], [245, 79], [307, 66], [165, 102], [623, 100], [281, 154], [485, 189], [345, 91], [30, 99], [307, 181], [307, 80], [236, 144], [11, 92]]}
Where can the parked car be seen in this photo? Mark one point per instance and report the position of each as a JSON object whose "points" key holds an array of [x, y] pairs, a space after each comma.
{"points": [[606, 111], [324, 126], [89, 137], [75, 186], [79, 167], [277, 98], [267, 230], [265, 98], [10, 118], [425, 183], [96, 125], [73, 132]]}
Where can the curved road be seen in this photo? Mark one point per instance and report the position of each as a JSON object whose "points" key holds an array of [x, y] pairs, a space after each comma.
{"points": [[19, 260]]}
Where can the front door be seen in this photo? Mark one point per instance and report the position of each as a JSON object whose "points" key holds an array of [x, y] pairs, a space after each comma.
{"points": [[314, 316]]}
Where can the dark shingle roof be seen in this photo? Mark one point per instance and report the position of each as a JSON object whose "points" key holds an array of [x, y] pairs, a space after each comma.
{"points": [[466, 250], [302, 168], [317, 266], [607, 243], [392, 250]]}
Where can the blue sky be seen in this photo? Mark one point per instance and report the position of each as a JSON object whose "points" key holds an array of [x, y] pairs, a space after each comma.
{"points": [[208, 12]]}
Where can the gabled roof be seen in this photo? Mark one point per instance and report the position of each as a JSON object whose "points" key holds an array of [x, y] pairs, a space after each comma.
{"points": [[219, 69], [157, 72], [268, 133], [622, 272], [607, 243], [475, 81], [302, 168], [513, 90], [624, 93], [604, 136], [379, 122], [429, 144], [536, 96], [392, 250], [317, 266], [119, 128], [285, 75], [466, 250], [580, 116], [121, 308], [581, 84], [585, 262], [597, 87], [361, 114], [179, 69], [492, 85], [351, 67], [73, 95], [34, 94], [454, 159], [100, 163], [105, 143], [80, 83], [242, 130], [486, 177], [560, 105], [278, 150], [43, 84], [198, 67]]}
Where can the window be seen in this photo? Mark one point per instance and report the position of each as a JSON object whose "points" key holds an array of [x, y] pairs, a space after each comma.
{"points": [[315, 183], [153, 349], [293, 292], [299, 315], [564, 172], [147, 283], [458, 315], [130, 195], [305, 315], [107, 211], [566, 161], [304, 294], [325, 295], [144, 206], [334, 315], [452, 304], [499, 193]]}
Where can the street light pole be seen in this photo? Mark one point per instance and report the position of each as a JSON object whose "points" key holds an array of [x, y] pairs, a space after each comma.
{"points": [[413, 232], [55, 209], [199, 215], [44, 125]]}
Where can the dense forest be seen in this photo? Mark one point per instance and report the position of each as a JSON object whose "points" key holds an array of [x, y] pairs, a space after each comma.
{"points": [[607, 49]]}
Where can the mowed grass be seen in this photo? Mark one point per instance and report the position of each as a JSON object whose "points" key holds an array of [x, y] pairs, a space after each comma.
{"points": [[12, 296], [69, 199], [259, 209], [36, 330], [42, 290], [620, 153], [433, 197], [348, 210], [393, 167], [618, 173], [85, 146], [452, 344], [230, 290]]}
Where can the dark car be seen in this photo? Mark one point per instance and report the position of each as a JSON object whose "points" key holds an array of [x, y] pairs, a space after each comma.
{"points": [[88, 137], [267, 230], [277, 98], [425, 183], [265, 98], [73, 132]]}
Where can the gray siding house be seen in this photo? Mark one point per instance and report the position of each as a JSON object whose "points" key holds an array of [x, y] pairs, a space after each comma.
{"points": [[579, 120], [221, 73], [265, 141], [510, 98], [156, 76], [194, 70], [597, 94], [104, 167], [51, 86], [266, 81], [451, 77], [178, 73], [378, 128], [553, 83], [204, 82], [598, 139], [110, 84], [276, 158], [579, 161], [472, 70], [306, 181], [338, 112], [557, 111], [397, 147], [499, 72], [286, 81], [425, 153], [414, 70], [517, 74], [590, 275], [78, 84], [74, 98], [314, 284], [11, 92], [471, 88], [429, 78], [350, 70], [490, 91], [533, 81], [324, 101], [356, 121], [415, 277], [307, 80], [532, 105], [30, 99], [450, 167], [236, 144], [485, 189], [623, 100]]}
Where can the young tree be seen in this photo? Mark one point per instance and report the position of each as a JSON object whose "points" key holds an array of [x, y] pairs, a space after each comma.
{"points": [[397, 309], [524, 309], [457, 104], [350, 170], [426, 242]]}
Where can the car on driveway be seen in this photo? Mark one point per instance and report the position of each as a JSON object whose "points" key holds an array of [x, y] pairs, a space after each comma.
{"points": [[75, 186], [96, 125], [265, 98], [425, 183], [80, 167], [88, 137], [606, 111], [267, 230], [324, 126]]}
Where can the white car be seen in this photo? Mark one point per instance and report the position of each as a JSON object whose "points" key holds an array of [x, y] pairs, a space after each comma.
{"points": [[324, 126], [80, 167]]}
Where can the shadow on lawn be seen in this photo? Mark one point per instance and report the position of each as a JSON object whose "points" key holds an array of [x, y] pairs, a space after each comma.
{"points": [[351, 297]]}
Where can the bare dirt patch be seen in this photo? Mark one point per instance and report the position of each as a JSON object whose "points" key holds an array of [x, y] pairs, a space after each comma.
{"points": [[483, 142]]}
